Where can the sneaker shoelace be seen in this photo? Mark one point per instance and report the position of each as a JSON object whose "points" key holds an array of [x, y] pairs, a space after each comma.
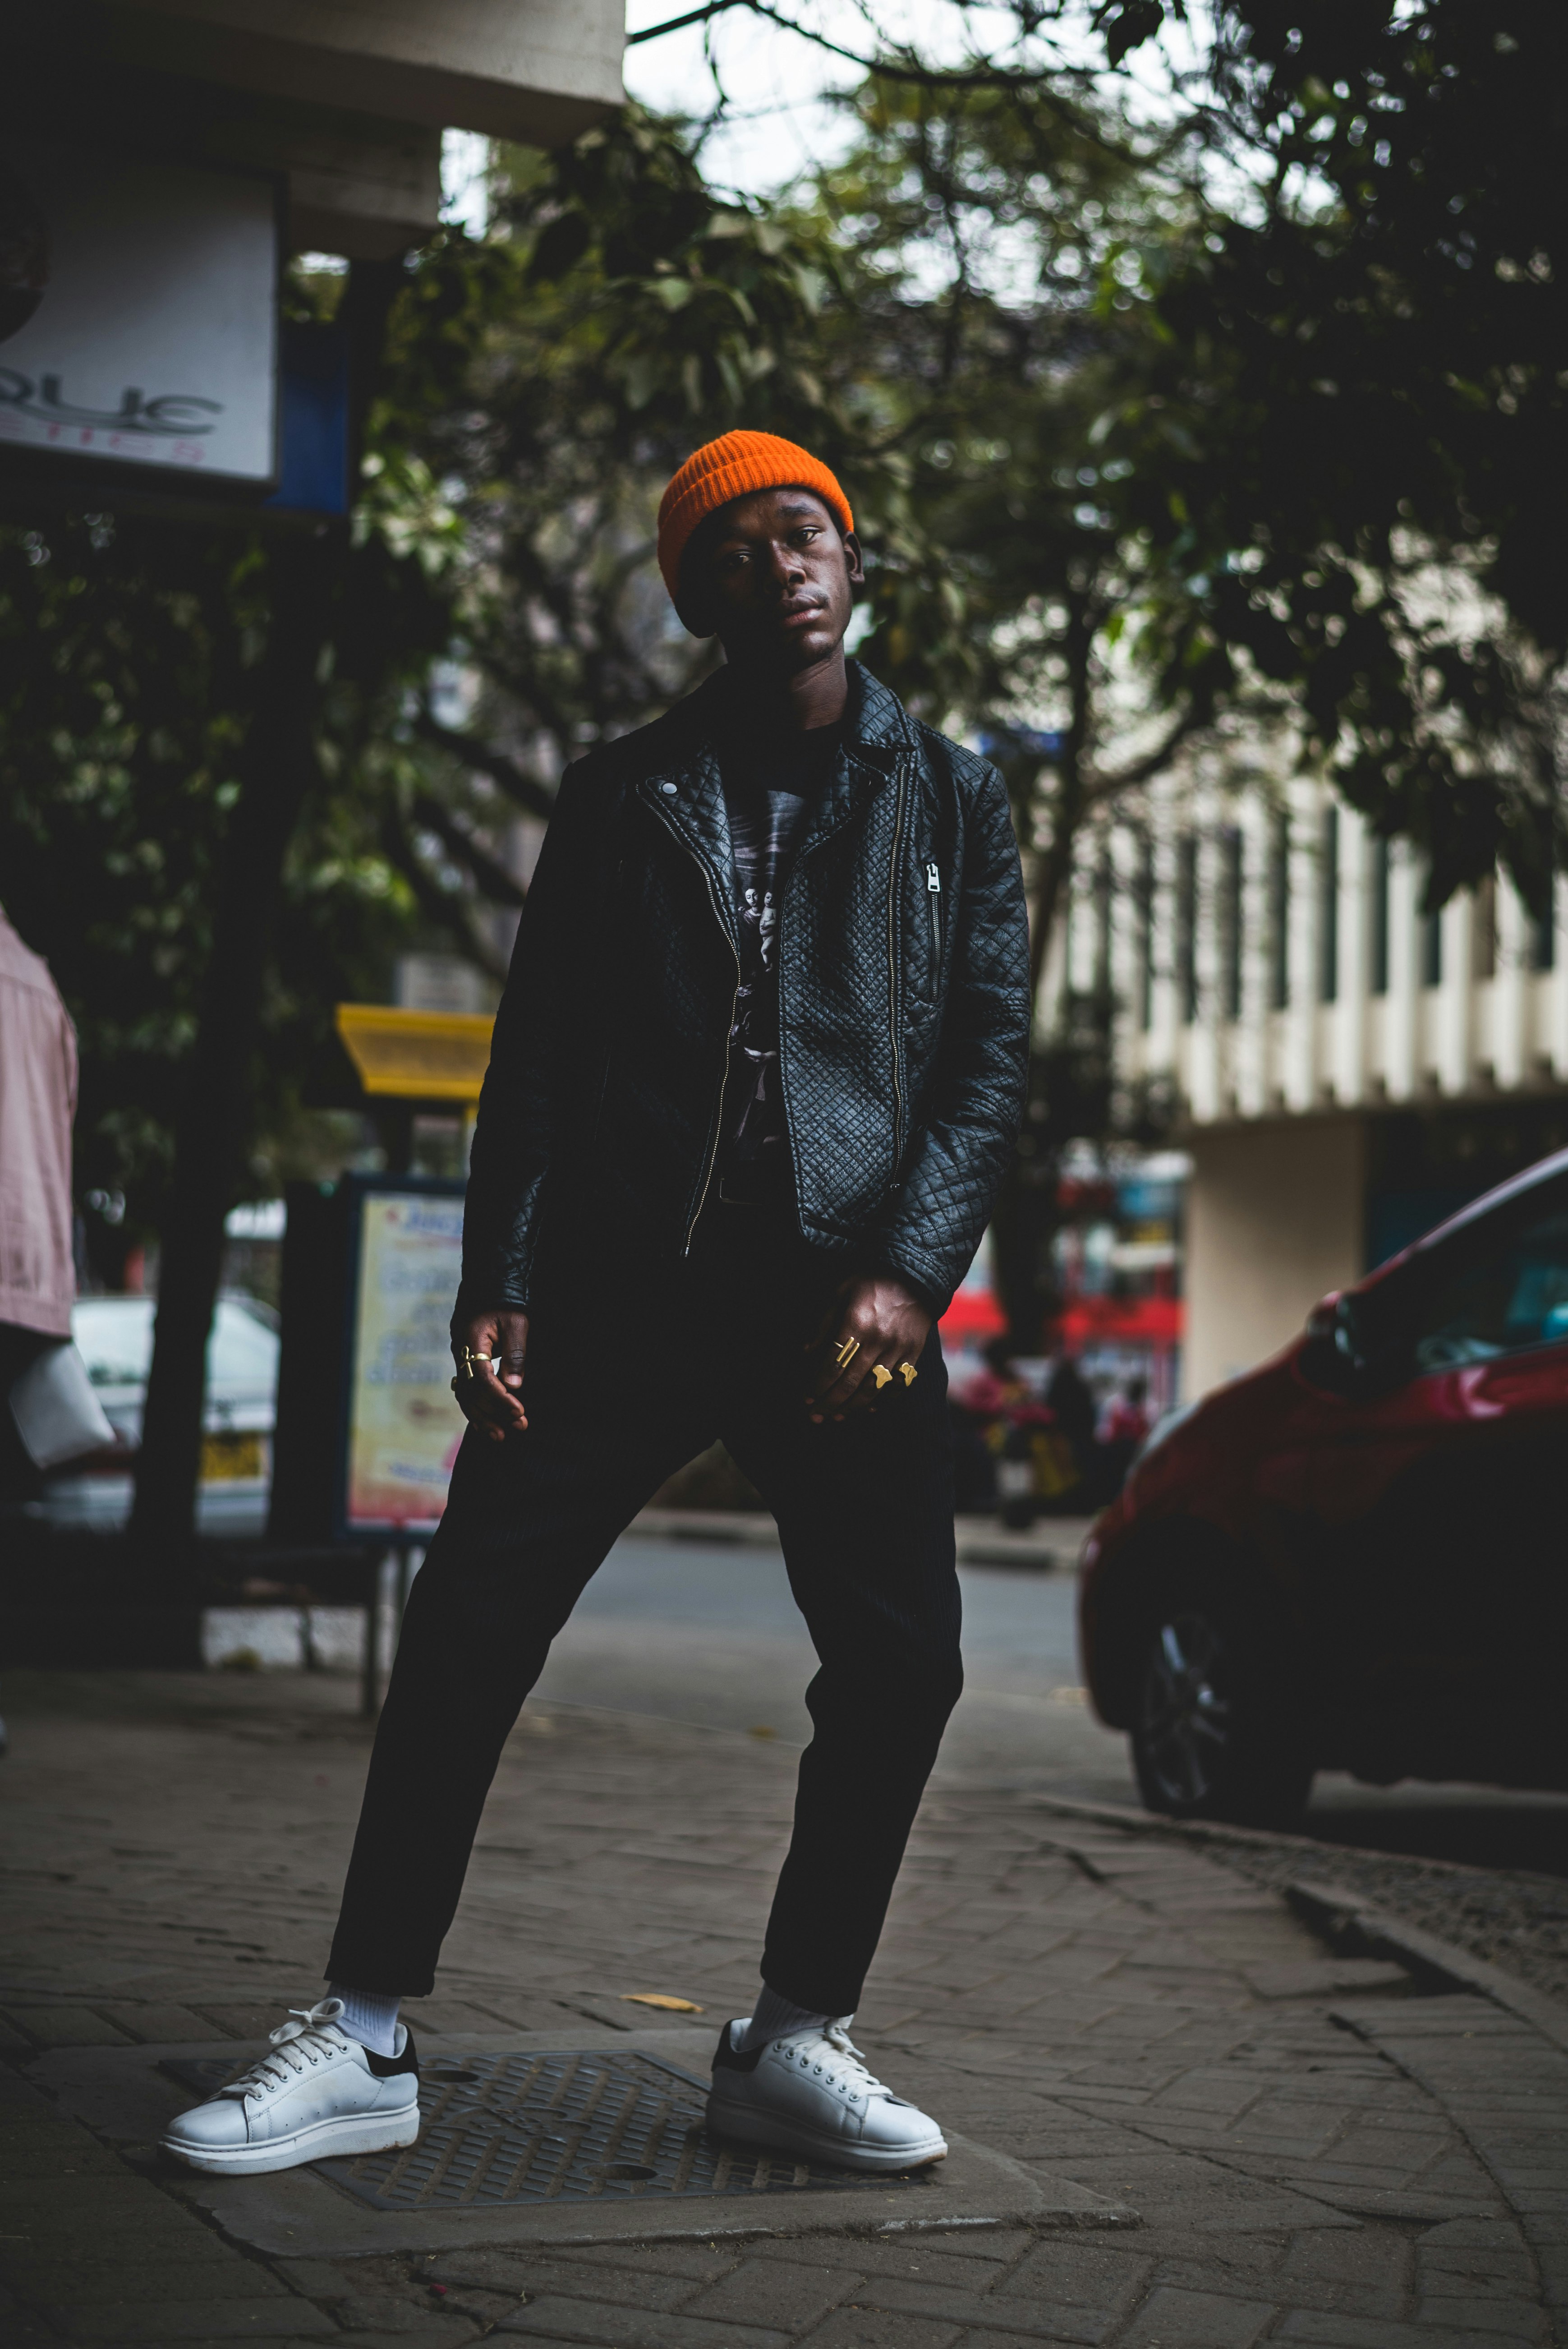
{"points": [[297, 2045], [850, 2072]]}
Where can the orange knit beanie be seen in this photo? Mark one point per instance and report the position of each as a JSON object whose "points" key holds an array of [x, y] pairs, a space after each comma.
{"points": [[735, 466]]}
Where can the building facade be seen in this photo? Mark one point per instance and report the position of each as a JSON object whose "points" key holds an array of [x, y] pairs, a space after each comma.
{"points": [[346, 104], [159, 161], [1344, 1067]]}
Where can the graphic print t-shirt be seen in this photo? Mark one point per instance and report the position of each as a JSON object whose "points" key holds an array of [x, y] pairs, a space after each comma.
{"points": [[769, 789]]}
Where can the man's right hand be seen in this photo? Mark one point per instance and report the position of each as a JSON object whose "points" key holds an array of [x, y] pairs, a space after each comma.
{"points": [[492, 1399]]}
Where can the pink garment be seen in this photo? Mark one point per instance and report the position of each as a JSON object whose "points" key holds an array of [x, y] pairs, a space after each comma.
{"points": [[1125, 1422], [38, 1102]]}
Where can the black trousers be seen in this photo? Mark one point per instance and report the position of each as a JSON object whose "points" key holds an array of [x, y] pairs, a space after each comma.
{"points": [[625, 1383]]}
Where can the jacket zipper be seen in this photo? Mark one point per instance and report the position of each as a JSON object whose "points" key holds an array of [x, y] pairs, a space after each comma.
{"points": [[728, 1032], [933, 892], [892, 970]]}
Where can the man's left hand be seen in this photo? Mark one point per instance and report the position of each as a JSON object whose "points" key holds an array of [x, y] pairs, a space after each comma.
{"points": [[890, 1327]]}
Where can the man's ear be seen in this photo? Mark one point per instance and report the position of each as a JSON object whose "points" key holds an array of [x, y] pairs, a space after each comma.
{"points": [[696, 605], [694, 608], [855, 558]]}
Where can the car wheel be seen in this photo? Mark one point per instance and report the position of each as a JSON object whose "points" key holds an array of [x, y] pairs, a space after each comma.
{"points": [[1217, 1735]]}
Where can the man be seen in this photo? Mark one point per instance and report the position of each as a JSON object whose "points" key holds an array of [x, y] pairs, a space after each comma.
{"points": [[756, 1072]]}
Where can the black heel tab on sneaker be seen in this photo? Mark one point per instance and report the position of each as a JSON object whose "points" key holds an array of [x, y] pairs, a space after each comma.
{"points": [[387, 2067], [728, 2058]]}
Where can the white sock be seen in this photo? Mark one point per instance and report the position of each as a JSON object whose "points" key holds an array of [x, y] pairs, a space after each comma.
{"points": [[776, 2018], [367, 2016]]}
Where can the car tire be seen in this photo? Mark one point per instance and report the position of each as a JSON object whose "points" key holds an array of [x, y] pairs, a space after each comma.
{"points": [[1217, 1726]]}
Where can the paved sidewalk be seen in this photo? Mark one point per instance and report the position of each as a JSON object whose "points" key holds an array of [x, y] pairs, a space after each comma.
{"points": [[1267, 2141]]}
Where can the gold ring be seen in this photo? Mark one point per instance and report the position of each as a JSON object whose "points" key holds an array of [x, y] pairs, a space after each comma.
{"points": [[473, 1363], [908, 1373], [883, 1375], [845, 1354]]}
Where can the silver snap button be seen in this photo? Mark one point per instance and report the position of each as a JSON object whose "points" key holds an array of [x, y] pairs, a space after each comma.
{"points": [[667, 787]]}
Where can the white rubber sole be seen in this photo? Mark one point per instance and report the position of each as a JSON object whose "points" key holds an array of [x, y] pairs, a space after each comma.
{"points": [[748, 2126], [321, 2141]]}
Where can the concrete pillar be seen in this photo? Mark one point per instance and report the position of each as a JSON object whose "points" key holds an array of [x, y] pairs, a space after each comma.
{"points": [[1349, 1071], [1276, 1218], [1125, 954], [1510, 989], [1453, 1049], [1164, 1027], [1253, 1030], [1554, 987], [1404, 997], [1298, 1025], [1203, 1036]]}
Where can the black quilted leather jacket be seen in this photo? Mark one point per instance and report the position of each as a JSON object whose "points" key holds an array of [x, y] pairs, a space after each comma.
{"points": [[903, 1009]]}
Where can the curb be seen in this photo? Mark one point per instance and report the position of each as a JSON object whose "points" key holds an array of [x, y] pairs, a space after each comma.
{"points": [[1331, 1908], [754, 1528]]}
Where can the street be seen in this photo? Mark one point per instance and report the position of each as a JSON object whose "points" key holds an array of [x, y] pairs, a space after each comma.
{"points": [[703, 710], [708, 1633]]}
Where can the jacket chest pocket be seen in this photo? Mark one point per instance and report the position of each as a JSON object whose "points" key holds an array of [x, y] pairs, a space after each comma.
{"points": [[933, 905], [928, 929]]}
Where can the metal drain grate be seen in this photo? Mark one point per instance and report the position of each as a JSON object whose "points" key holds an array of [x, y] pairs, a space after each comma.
{"points": [[567, 2127]]}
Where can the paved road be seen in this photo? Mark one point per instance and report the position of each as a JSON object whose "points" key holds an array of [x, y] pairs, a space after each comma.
{"points": [[708, 1633]]}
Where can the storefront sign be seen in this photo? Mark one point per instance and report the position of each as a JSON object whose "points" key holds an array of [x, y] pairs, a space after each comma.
{"points": [[404, 1425], [138, 314]]}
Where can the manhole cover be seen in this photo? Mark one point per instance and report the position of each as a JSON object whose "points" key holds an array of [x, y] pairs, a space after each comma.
{"points": [[565, 2127]]}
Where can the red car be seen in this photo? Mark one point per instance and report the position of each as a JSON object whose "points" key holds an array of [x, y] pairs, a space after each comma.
{"points": [[1356, 1558]]}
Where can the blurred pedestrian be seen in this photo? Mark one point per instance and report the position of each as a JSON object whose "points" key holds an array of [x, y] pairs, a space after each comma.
{"points": [[1033, 1465], [756, 1076], [1123, 1426], [1127, 1416], [1070, 1400], [37, 1104]]}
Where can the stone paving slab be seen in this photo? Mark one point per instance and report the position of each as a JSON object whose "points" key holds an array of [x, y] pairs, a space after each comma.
{"points": [[1317, 2153], [126, 2097]]}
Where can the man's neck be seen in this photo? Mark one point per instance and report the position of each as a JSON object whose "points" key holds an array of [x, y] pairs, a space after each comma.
{"points": [[810, 697]]}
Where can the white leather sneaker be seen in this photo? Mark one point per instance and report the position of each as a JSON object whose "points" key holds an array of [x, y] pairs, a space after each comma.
{"points": [[810, 2093], [317, 2093]]}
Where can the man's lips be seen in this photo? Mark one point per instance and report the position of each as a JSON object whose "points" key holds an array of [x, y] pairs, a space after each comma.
{"points": [[794, 615]]}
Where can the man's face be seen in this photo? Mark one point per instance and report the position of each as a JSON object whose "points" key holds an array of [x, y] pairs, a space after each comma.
{"points": [[770, 576]]}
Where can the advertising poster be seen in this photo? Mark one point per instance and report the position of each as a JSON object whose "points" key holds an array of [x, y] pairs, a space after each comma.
{"points": [[404, 1424], [137, 312]]}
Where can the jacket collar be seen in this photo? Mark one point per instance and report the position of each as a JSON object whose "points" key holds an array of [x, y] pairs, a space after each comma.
{"points": [[686, 792], [877, 731], [882, 727]]}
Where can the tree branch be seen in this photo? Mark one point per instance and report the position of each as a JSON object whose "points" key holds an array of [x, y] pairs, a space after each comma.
{"points": [[678, 23], [501, 887], [1141, 771], [894, 68], [441, 908], [529, 795]]}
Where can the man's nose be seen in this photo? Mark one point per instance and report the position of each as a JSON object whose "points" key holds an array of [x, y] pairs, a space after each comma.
{"points": [[785, 565]]}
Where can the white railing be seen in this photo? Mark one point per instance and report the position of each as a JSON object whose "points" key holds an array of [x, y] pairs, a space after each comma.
{"points": [[1292, 969]]}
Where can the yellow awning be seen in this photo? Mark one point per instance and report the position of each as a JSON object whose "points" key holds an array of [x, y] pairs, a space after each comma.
{"points": [[417, 1055]]}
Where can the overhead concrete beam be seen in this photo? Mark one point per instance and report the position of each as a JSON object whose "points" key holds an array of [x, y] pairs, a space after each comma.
{"points": [[353, 184], [535, 70]]}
